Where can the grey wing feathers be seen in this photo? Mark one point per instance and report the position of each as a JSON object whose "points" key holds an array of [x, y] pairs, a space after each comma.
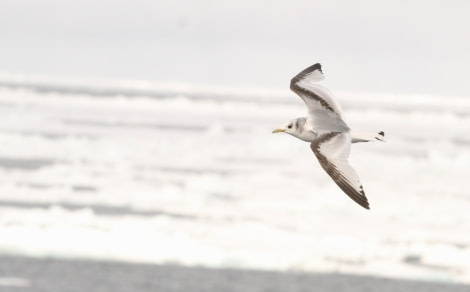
{"points": [[314, 95], [332, 151]]}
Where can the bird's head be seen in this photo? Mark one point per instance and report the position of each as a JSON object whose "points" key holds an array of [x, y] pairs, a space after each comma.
{"points": [[290, 127]]}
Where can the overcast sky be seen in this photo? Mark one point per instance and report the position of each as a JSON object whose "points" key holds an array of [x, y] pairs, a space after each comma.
{"points": [[373, 46]]}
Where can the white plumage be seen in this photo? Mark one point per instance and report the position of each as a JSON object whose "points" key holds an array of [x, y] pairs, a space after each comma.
{"points": [[329, 136]]}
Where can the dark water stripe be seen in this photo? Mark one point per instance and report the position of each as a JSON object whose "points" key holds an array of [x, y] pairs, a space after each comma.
{"points": [[134, 125], [25, 163], [41, 186], [184, 170], [98, 209], [53, 274], [107, 92], [49, 135]]}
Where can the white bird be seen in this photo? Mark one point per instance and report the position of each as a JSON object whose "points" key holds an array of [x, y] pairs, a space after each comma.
{"points": [[329, 136]]}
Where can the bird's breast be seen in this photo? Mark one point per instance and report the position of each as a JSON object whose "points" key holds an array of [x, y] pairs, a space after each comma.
{"points": [[307, 135]]}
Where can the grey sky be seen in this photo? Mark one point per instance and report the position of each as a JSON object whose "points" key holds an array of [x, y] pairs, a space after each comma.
{"points": [[373, 46]]}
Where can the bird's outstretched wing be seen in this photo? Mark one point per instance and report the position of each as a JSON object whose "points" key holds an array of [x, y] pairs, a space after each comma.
{"points": [[315, 96], [332, 151]]}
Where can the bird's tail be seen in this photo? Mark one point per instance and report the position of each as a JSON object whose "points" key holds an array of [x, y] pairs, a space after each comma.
{"points": [[367, 137]]}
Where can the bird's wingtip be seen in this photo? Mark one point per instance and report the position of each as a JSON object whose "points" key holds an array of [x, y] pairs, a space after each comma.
{"points": [[313, 73]]}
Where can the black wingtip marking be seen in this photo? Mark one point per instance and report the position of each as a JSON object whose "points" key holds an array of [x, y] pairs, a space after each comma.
{"points": [[381, 133], [314, 67], [304, 72]]}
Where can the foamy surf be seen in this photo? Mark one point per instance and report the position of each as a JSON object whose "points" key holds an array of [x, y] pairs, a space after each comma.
{"points": [[141, 178]]}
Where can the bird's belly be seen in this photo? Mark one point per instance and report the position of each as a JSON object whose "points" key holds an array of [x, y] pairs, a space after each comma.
{"points": [[308, 136]]}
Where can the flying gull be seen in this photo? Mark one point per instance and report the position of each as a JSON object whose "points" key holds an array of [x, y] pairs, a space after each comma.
{"points": [[329, 136]]}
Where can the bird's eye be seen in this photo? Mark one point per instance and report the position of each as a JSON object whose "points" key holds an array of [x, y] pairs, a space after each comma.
{"points": [[290, 126]]}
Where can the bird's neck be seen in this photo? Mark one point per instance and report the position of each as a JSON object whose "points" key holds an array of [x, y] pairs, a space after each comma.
{"points": [[302, 132]]}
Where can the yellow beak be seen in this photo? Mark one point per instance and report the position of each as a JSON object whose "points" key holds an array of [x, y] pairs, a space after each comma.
{"points": [[278, 131]]}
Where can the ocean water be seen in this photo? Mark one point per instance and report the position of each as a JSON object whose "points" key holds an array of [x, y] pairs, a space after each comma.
{"points": [[168, 173]]}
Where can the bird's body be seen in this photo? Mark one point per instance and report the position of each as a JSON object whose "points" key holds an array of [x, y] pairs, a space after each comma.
{"points": [[329, 136]]}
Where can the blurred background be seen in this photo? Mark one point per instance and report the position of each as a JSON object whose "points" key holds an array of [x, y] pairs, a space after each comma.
{"points": [[140, 131]]}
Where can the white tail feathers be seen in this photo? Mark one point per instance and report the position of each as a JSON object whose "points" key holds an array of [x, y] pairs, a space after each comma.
{"points": [[367, 137]]}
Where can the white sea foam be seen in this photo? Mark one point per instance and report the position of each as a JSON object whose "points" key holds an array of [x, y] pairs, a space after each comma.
{"points": [[201, 181]]}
